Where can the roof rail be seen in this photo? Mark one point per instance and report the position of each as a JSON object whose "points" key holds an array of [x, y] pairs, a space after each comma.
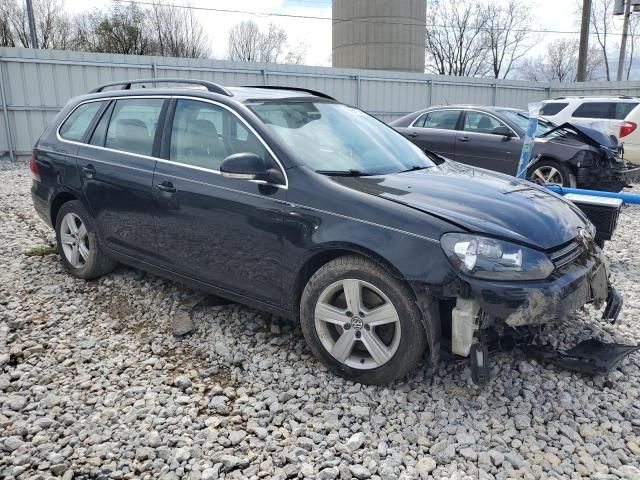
{"points": [[295, 89], [126, 84]]}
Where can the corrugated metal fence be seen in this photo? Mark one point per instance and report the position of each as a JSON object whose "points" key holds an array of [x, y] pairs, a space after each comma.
{"points": [[35, 84]]}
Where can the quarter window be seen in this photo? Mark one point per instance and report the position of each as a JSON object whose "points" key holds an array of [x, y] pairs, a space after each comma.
{"points": [[444, 119], [133, 123], [476, 122], [623, 109], [204, 134], [75, 127]]}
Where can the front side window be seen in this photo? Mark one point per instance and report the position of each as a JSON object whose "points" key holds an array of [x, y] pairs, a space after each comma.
{"points": [[328, 136], [76, 125], [133, 123], [477, 122], [443, 119], [204, 134], [594, 110]]}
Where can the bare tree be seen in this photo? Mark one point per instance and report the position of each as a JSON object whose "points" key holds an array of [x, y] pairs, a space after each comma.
{"points": [[7, 11], [602, 25], [455, 38], [177, 31], [634, 21], [53, 26], [248, 44], [507, 34], [560, 63]]}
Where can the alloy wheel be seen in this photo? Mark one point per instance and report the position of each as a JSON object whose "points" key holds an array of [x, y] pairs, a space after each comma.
{"points": [[357, 324], [548, 175], [75, 240]]}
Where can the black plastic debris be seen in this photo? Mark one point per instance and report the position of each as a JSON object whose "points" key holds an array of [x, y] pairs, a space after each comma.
{"points": [[590, 356]]}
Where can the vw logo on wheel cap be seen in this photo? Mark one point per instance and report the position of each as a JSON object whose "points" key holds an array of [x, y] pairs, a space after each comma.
{"points": [[357, 323]]}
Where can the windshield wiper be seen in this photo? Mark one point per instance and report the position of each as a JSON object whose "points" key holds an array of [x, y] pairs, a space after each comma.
{"points": [[352, 172], [414, 168]]}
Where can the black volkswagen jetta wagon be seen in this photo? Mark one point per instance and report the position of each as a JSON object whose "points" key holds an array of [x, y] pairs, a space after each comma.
{"points": [[289, 201]]}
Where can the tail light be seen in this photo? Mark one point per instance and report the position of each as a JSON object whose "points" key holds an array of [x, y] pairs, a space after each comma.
{"points": [[626, 128], [33, 167]]}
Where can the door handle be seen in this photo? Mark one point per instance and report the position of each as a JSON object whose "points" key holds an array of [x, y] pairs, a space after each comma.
{"points": [[464, 139], [89, 170], [166, 187], [412, 134]]}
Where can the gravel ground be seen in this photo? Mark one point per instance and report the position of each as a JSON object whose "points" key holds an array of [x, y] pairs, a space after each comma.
{"points": [[94, 385]]}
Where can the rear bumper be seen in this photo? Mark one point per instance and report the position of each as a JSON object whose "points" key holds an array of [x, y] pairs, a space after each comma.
{"points": [[40, 202]]}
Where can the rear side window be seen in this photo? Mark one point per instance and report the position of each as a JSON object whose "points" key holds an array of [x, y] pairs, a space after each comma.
{"points": [[444, 119], [133, 124], [623, 109], [594, 110], [552, 108], [76, 125]]}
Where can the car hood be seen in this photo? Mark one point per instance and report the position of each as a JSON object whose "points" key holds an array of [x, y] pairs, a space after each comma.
{"points": [[589, 135], [480, 201]]}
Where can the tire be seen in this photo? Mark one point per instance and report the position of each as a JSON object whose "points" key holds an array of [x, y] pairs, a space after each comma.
{"points": [[81, 253], [564, 176], [391, 326]]}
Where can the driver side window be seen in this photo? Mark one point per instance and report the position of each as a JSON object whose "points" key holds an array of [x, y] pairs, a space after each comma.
{"points": [[204, 134], [477, 122]]}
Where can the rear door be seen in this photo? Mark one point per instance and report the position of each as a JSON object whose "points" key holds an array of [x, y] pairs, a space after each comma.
{"points": [[117, 167], [435, 131], [225, 232], [476, 144]]}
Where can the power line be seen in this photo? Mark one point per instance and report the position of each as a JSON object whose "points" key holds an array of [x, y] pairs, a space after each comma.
{"points": [[361, 20]]}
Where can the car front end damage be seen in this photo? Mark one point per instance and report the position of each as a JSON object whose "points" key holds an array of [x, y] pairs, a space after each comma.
{"points": [[480, 315]]}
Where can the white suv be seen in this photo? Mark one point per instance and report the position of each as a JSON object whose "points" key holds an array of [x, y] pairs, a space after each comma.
{"points": [[617, 116]]}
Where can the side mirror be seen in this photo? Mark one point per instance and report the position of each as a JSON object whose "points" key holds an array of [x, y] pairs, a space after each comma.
{"points": [[249, 166], [502, 130]]}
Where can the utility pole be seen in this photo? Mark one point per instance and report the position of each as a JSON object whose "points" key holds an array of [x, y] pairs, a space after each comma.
{"points": [[32, 24], [623, 42], [584, 40]]}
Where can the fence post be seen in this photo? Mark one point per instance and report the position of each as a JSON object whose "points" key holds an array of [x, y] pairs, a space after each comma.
{"points": [[265, 78], [358, 91], [495, 94], [430, 84], [5, 113]]}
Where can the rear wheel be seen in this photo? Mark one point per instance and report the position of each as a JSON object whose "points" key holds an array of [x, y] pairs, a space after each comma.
{"points": [[550, 172], [361, 322], [78, 243]]}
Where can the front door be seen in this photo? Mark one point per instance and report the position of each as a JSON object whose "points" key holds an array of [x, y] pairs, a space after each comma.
{"points": [[476, 144], [116, 166], [226, 232], [435, 131]]}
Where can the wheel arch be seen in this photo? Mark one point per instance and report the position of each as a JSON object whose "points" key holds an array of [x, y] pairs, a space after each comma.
{"points": [[59, 199], [326, 253]]}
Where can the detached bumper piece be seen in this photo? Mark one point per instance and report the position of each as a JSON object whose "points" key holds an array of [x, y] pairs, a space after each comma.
{"points": [[591, 356], [614, 305]]}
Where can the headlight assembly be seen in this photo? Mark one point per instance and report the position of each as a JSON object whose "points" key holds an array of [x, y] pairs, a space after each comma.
{"points": [[484, 257]]}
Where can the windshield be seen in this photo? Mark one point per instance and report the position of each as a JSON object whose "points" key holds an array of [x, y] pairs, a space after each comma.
{"points": [[331, 137], [521, 119]]}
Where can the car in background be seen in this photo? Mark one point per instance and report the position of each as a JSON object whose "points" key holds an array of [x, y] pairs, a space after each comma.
{"points": [[617, 116], [568, 155]]}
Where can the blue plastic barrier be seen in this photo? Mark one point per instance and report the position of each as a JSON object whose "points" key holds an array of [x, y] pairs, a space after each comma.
{"points": [[628, 198]]}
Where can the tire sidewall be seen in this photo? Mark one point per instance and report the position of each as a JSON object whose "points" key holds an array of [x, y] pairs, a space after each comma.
{"points": [[413, 337], [78, 209]]}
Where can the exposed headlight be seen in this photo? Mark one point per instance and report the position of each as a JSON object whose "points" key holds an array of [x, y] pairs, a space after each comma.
{"points": [[493, 259]]}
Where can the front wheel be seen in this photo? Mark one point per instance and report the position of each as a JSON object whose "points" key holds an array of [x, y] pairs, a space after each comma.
{"points": [[361, 322], [550, 172]]}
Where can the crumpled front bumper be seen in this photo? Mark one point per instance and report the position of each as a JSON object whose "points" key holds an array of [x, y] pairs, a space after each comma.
{"points": [[515, 304]]}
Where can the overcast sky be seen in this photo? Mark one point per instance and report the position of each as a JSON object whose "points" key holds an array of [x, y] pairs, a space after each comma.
{"points": [[316, 34]]}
